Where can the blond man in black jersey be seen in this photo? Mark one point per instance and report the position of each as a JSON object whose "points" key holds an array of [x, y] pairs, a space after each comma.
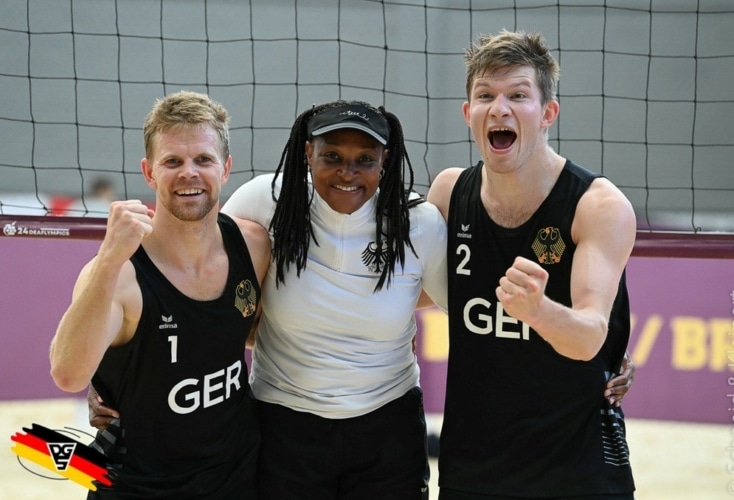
{"points": [[159, 318]]}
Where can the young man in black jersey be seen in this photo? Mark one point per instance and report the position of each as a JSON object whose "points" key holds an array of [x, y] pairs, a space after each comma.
{"points": [[159, 317], [538, 307]]}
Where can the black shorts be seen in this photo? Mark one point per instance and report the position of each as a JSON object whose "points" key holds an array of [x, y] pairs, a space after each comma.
{"points": [[381, 455], [461, 495]]}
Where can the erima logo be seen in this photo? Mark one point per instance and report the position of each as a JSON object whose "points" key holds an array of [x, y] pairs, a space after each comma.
{"points": [[167, 322], [61, 454], [464, 232]]}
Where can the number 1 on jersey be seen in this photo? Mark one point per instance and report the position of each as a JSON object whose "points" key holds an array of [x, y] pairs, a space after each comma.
{"points": [[173, 339]]}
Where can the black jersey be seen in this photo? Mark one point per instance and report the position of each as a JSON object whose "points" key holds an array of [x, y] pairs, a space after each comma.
{"points": [[521, 419], [188, 421]]}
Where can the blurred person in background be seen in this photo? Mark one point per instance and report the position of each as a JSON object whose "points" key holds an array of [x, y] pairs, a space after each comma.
{"points": [[97, 202]]}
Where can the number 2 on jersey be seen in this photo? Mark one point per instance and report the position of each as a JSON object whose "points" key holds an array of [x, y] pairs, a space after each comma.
{"points": [[462, 267]]}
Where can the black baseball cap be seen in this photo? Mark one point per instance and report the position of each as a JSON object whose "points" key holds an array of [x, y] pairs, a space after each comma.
{"points": [[352, 115]]}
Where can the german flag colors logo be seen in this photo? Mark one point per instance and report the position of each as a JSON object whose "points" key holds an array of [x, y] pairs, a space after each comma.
{"points": [[62, 455]]}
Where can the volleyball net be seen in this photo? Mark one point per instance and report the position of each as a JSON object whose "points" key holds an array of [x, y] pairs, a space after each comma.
{"points": [[644, 92]]}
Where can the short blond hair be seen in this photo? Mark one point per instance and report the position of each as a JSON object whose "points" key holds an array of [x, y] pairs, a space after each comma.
{"points": [[186, 109]]}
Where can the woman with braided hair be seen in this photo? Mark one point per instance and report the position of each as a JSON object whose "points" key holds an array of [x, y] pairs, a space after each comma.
{"points": [[292, 233], [333, 366]]}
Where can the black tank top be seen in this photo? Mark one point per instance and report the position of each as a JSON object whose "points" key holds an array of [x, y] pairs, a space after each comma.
{"points": [[521, 419], [187, 414]]}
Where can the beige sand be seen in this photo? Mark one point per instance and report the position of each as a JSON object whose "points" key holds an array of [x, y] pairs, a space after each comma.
{"points": [[671, 461]]}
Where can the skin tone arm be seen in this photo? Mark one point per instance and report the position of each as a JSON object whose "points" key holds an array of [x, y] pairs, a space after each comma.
{"points": [[604, 230], [440, 192], [439, 195], [258, 244], [424, 301], [106, 301]]}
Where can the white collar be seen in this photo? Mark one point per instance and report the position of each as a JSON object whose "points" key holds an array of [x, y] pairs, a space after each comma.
{"points": [[320, 209]]}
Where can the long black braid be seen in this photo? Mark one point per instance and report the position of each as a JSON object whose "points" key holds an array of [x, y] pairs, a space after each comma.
{"points": [[393, 213], [291, 223]]}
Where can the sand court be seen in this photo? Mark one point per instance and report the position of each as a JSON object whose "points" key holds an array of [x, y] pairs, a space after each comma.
{"points": [[671, 461]]}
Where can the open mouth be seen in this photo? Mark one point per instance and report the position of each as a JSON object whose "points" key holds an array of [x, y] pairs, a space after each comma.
{"points": [[346, 189], [502, 138]]}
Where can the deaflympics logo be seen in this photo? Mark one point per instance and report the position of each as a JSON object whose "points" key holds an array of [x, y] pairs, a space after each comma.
{"points": [[62, 455]]}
